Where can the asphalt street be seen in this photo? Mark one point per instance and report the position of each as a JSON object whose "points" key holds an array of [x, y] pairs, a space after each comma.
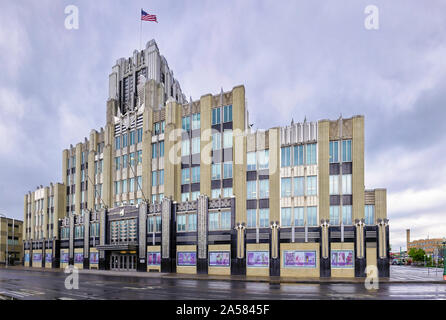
{"points": [[36, 284]]}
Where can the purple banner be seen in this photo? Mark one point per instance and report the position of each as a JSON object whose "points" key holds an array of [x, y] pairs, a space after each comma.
{"points": [[64, 257], [48, 257], [186, 258], [26, 257], [258, 259], [342, 259], [94, 257], [78, 257], [37, 257], [219, 259], [299, 259], [153, 258]]}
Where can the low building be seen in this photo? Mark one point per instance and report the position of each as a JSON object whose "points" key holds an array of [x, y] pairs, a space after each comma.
{"points": [[11, 240], [430, 246]]}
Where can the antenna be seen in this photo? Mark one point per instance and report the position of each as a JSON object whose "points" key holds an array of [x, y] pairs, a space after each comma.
{"points": [[105, 206], [140, 188]]}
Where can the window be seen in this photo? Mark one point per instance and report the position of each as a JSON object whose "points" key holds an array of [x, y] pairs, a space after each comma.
{"points": [[132, 137], [124, 186], [117, 143], [186, 123], [132, 159], [216, 141], [334, 185], [312, 216], [369, 214], [347, 215], [347, 184], [196, 145], [153, 178], [264, 218], [311, 153], [227, 139], [215, 193], [139, 156], [227, 170], [227, 113], [286, 217], [285, 157], [185, 176], [161, 177], [216, 171], [117, 183], [195, 175], [251, 217], [139, 135], [195, 121], [156, 128], [286, 187], [220, 220], [194, 195], [251, 161], [263, 188], [118, 163], [299, 216], [263, 156], [185, 147], [139, 182], [181, 222], [298, 153], [334, 215], [334, 150], [311, 185], [124, 140], [216, 116], [298, 186], [185, 197], [132, 185], [161, 145], [150, 222], [251, 189], [227, 192], [163, 125], [346, 150], [154, 149], [124, 161], [192, 222]]}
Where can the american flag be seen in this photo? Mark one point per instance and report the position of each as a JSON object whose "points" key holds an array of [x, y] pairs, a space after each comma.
{"points": [[148, 17]]}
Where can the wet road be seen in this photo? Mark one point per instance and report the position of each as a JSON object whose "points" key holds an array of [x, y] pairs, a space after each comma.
{"points": [[26, 284]]}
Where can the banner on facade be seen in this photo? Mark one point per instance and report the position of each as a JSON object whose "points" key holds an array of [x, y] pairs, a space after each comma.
{"points": [[78, 257], [219, 258], [37, 257], [187, 258], [94, 257], [342, 259], [258, 258], [26, 258], [299, 259], [153, 258], [64, 257], [48, 257]]}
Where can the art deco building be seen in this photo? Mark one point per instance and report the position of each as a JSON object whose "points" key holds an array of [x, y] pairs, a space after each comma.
{"points": [[183, 186]]}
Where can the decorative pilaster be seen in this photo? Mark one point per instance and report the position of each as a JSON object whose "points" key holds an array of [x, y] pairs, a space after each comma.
{"points": [[142, 220], [274, 249], [383, 255], [202, 241], [325, 267], [71, 248], [87, 214], [360, 260]]}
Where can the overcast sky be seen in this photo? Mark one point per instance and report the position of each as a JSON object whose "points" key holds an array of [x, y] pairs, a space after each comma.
{"points": [[312, 59]]}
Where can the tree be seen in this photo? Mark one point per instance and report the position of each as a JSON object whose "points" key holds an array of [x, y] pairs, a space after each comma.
{"points": [[417, 254]]}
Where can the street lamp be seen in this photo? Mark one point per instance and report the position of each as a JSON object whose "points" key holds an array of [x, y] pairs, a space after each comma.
{"points": [[6, 253], [444, 258]]}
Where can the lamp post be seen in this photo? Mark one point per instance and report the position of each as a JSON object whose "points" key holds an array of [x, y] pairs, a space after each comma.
{"points": [[444, 258], [6, 253]]}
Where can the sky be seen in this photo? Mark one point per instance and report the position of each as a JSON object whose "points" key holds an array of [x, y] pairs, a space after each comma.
{"points": [[296, 59]]}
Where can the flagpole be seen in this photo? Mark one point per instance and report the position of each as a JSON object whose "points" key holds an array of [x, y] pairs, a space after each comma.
{"points": [[140, 32]]}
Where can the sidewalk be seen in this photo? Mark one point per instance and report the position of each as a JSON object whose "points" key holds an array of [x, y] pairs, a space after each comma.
{"points": [[396, 277]]}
